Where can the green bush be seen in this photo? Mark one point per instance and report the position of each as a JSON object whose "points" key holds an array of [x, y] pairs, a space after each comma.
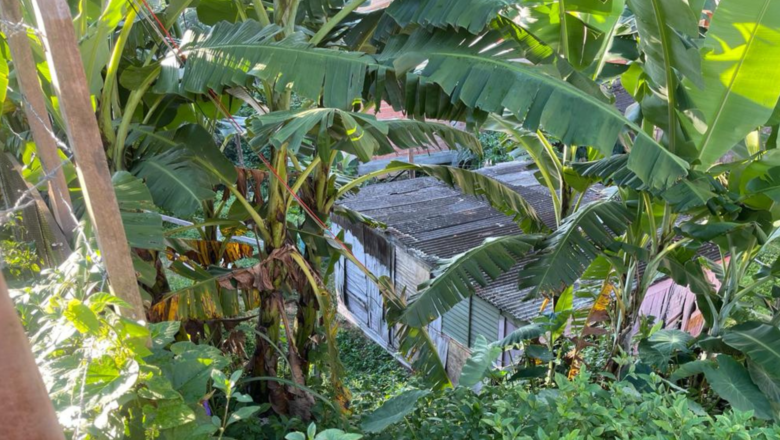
{"points": [[577, 409]]}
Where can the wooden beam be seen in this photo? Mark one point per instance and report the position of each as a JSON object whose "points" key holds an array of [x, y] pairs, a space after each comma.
{"points": [[27, 410], [70, 83], [38, 118], [51, 243]]}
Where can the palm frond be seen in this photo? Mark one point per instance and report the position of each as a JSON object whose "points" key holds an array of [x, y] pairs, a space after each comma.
{"points": [[456, 278], [485, 73], [568, 252]]}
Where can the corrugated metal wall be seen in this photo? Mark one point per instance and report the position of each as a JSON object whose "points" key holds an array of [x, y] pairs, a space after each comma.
{"points": [[456, 322], [484, 320]]}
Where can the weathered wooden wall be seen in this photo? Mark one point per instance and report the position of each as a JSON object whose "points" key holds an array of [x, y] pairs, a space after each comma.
{"points": [[675, 306]]}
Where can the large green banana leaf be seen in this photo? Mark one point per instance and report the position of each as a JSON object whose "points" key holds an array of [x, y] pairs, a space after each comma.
{"points": [[579, 30], [229, 54], [142, 221], [472, 15], [568, 252], [356, 133], [485, 73], [182, 168], [741, 79], [457, 277], [667, 33]]}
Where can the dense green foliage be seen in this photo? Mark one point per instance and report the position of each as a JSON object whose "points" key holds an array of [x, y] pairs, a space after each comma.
{"points": [[245, 340], [577, 409]]}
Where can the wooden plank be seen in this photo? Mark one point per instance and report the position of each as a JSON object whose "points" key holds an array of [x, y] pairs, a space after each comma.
{"points": [[70, 83], [28, 413], [376, 309], [38, 119]]}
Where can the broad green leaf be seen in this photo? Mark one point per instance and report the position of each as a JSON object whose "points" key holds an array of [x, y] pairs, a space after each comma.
{"points": [[97, 302], [473, 15], [667, 33], [741, 82], [579, 30], [669, 341], [175, 183], [539, 352], [144, 270], [211, 12], [168, 414], [230, 54], [94, 46], [456, 278], [82, 317], [484, 73], [336, 434], [107, 381], [141, 219], [692, 368], [530, 331], [182, 168], [163, 333], [569, 251], [243, 414], [760, 342], [392, 411], [190, 369], [767, 380], [483, 356], [732, 382], [356, 133], [158, 388]]}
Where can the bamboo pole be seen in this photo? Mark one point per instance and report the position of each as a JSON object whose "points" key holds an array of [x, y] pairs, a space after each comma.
{"points": [[38, 118], [70, 83], [27, 411]]}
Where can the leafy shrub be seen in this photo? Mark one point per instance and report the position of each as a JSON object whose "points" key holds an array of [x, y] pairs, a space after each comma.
{"points": [[577, 409], [109, 377]]}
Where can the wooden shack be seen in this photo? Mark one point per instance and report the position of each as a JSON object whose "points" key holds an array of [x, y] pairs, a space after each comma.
{"points": [[428, 221]]}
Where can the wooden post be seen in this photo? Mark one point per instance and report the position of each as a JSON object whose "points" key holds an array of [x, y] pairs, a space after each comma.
{"points": [[410, 155], [70, 83], [38, 118], [27, 410]]}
